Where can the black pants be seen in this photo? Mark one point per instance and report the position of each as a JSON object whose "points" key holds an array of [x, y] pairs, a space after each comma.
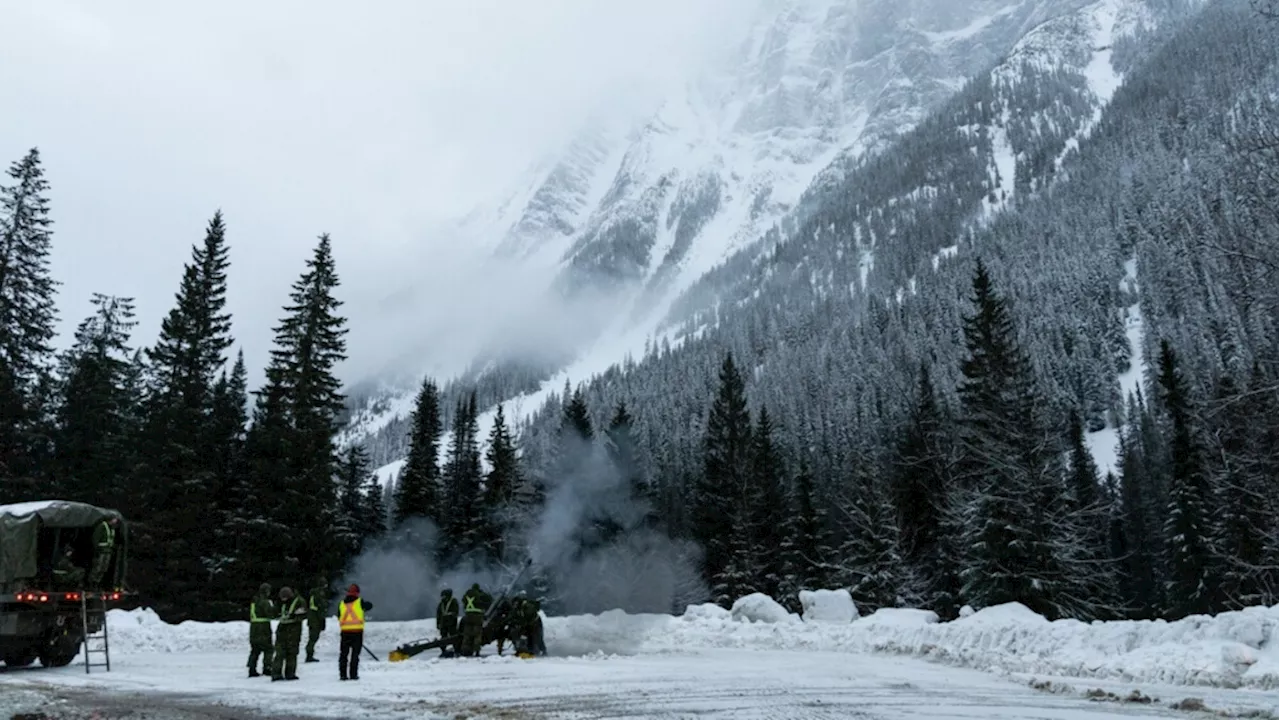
{"points": [[349, 654]]}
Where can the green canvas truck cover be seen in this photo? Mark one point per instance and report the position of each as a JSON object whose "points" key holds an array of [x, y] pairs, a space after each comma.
{"points": [[20, 525]]}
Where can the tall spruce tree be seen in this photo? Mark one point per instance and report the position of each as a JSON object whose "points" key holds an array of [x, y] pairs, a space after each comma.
{"points": [[871, 563], [296, 421], [1138, 546], [623, 451], [768, 517], [418, 492], [177, 481], [236, 504], [463, 487], [1019, 543], [724, 482], [499, 487], [922, 491], [1091, 512], [1192, 586], [94, 440], [27, 318], [375, 510], [806, 549], [353, 472]]}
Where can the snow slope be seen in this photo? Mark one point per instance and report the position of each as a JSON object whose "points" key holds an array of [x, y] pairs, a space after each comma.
{"points": [[644, 210], [1104, 445], [706, 662]]}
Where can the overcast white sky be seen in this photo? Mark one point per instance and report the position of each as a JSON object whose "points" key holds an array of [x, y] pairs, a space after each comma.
{"points": [[374, 121]]}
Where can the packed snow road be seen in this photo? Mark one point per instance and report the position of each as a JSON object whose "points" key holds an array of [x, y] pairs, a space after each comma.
{"points": [[712, 683]]}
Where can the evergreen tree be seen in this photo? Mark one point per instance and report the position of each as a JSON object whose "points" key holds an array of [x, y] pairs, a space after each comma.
{"points": [[499, 487], [806, 549], [871, 565], [769, 513], [292, 441], [418, 491], [177, 480], [623, 451], [1240, 499], [375, 510], [462, 480], [921, 492], [1191, 587], [1138, 545], [724, 482], [235, 504], [1019, 544], [27, 318], [94, 436], [1091, 511], [353, 471]]}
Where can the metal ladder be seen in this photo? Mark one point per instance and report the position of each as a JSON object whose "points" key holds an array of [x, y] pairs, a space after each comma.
{"points": [[87, 612]]}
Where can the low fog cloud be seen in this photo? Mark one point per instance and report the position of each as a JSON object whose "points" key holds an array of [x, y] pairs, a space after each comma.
{"points": [[378, 123]]}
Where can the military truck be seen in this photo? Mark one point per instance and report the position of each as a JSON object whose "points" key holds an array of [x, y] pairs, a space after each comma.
{"points": [[43, 615]]}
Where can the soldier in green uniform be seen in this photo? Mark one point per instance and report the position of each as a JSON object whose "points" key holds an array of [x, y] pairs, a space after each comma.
{"points": [[288, 635], [104, 543], [474, 602], [66, 574], [447, 618], [527, 627], [261, 610], [317, 603]]}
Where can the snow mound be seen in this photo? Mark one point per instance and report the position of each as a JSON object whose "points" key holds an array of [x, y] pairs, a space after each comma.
{"points": [[900, 617], [828, 606], [758, 607], [610, 633], [705, 611]]}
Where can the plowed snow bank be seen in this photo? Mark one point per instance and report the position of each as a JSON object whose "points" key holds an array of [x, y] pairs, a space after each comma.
{"points": [[1233, 649]]}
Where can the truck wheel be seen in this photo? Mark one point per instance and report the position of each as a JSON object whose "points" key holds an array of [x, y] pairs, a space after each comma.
{"points": [[60, 650], [56, 657], [20, 658]]}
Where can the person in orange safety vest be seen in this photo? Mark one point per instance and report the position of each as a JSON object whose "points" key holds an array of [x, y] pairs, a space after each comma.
{"points": [[351, 626]]}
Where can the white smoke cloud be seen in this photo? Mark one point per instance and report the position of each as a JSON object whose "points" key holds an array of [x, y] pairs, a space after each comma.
{"points": [[590, 539]]}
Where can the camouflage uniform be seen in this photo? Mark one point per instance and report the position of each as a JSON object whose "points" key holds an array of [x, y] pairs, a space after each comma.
{"points": [[66, 574], [474, 603], [527, 625], [447, 618], [288, 635], [261, 610]]}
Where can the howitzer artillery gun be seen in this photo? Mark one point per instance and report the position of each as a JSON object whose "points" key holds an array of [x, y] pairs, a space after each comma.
{"points": [[498, 620]]}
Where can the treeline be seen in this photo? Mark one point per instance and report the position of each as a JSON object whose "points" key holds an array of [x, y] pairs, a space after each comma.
{"points": [[219, 496]]}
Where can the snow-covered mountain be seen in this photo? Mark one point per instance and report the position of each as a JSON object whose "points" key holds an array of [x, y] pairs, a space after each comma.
{"points": [[638, 209]]}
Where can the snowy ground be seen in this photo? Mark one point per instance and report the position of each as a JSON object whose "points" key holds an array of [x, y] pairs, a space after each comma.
{"points": [[741, 684], [1003, 662]]}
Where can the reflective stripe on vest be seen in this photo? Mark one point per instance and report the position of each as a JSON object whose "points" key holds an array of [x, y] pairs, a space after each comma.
{"points": [[111, 535], [351, 618], [471, 604], [448, 607], [253, 614], [312, 602], [287, 612]]}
